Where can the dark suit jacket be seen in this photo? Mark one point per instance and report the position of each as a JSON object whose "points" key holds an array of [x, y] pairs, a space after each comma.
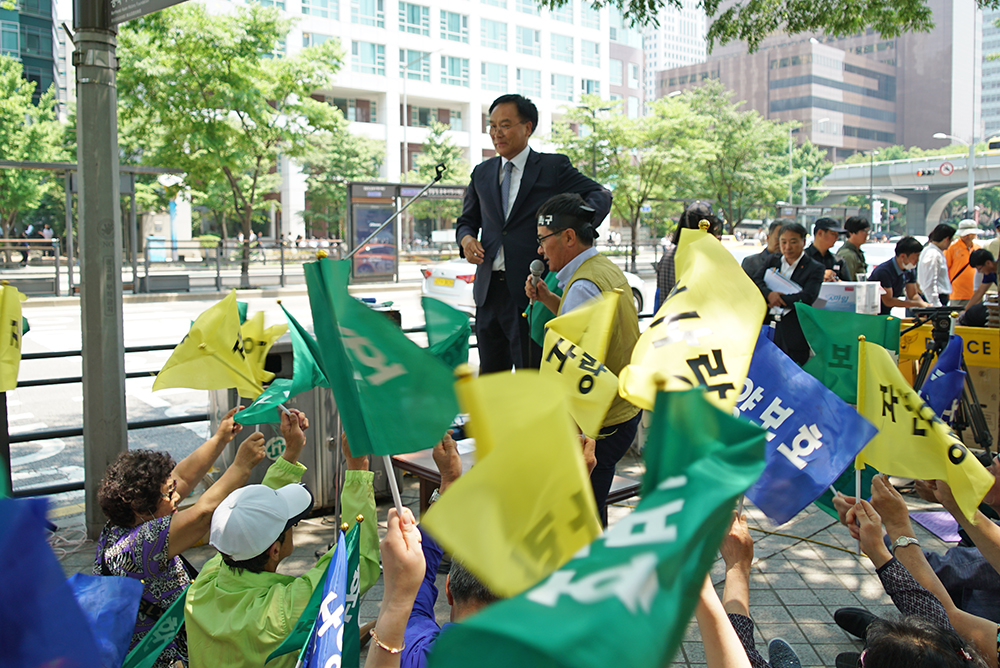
{"points": [[545, 175], [788, 334]]}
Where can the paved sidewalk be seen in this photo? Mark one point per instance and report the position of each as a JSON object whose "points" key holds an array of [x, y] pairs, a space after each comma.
{"points": [[802, 573]]}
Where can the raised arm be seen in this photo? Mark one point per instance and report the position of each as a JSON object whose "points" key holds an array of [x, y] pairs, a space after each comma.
{"points": [[983, 532], [195, 466], [723, 648]]}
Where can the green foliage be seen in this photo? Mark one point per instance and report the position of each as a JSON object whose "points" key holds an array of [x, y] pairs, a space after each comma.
{"points": [[750, 163], [330, 161], [811, 160], [437, 149], [754, 20], [205, 94], [639, 159], [28, 132]]}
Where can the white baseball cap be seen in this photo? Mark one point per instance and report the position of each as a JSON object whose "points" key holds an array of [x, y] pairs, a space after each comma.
{"points": [[250, 519]]}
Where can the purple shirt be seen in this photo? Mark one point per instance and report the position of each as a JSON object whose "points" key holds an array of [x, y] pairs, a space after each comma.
{"points": [[142, 553]]}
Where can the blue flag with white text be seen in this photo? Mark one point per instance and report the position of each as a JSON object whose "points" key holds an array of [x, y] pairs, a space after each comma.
{"points": [[813, 435], [327, 643], [943, 386]]}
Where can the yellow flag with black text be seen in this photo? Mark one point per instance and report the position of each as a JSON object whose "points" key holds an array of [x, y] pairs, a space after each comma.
{"points": [[527, 506], [10, 336], [211, 355], [705, 331], [257, 341], [573, 354], [912, 441]]}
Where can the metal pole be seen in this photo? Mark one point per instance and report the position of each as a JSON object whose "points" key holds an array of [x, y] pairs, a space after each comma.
{"points": [[218, 266], [804, 189], [406, 121], [970, 203], [281, 256], [789, 165], [104, 420], [134, 227], [871, 187], [55, 251], [68, 177]]}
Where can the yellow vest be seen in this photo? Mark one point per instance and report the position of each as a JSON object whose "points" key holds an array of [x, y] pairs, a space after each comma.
{"points": [[603, 273]]}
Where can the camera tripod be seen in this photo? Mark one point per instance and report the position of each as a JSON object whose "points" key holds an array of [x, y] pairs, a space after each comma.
{"points": [[969, 414]]}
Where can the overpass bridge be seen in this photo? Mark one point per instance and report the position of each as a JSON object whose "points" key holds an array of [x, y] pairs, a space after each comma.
{"points": [[926, 185]]}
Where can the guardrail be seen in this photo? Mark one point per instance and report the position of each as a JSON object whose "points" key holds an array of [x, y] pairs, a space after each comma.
{"points": [[32, 283]]}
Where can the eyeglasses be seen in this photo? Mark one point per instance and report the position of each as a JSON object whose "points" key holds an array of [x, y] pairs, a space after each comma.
{"points": [[172, 487], [541, 239], [503, 128]]}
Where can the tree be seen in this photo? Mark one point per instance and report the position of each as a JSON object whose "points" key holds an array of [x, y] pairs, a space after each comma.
{"points": [[750, 165], [753, 21], [28, 132], [330, 161], [437, 149], [211, 95], [639, 159], [808, 159]]}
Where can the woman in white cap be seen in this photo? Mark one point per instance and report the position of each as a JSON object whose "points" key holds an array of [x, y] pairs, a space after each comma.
{"points": [[959, 272]]}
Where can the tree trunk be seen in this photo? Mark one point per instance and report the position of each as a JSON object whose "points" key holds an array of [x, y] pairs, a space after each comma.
{"points": [[635, 239], [245, 255]]}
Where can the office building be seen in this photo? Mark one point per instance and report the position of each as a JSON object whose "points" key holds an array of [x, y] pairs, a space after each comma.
{"points": [[27, 34]]}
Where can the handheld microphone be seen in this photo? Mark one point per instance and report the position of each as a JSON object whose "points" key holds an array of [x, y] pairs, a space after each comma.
{"points": [[537, 268]]}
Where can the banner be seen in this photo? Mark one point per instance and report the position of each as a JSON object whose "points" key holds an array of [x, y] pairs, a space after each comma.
{"points": [[627, 599], [211, 355], [813, 435], [257, 341], [12, 325], [527, 505], [705, 331], [145, 654], [394, 396], [448, 332], [573, 354], [833, 337], [943, 386], [913, 442], [327, 643]]}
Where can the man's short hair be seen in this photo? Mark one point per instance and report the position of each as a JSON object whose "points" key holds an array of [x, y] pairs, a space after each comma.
{"points": [[979, 257], [775, 225], [253, 564], [569, 211], [466, 587], [941, 232], [795, 228], [907, 246], [526, 109], [855, 224]]}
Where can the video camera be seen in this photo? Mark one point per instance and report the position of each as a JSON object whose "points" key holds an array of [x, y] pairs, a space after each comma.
{"points": [[941, 323]]}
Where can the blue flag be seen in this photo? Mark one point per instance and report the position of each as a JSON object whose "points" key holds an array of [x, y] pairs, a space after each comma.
{"points": [[110, 605], [40, 621], [813, 435], [943, 386], [327, 641]]}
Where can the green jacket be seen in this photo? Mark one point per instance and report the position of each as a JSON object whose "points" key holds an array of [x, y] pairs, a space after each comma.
{"points": [[237, 619], [854, 259]]}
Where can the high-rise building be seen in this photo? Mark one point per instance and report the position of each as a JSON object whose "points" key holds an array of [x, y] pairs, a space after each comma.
{"points": [[27, 33], [678, 40], [626, 64], [859, 92], [991, 73]]}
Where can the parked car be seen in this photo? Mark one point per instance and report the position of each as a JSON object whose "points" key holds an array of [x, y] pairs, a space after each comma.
{"points": [[451, 282], [375, 259]]}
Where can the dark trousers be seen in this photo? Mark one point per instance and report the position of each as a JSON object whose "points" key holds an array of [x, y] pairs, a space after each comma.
{"points": [[500, 329], [612, 444]]}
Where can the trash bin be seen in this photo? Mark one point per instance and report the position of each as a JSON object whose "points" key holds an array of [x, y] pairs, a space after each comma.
{"points": [[156, 249]]}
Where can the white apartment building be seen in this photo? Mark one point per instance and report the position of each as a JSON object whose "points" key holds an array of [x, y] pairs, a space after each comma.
{"points": [[679, 40]]}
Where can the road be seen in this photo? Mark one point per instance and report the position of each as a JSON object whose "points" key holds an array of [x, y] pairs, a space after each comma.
{"points": [[56, 327]]}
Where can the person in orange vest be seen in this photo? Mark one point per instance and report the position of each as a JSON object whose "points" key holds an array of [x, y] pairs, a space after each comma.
{"points": [[957, 257]]}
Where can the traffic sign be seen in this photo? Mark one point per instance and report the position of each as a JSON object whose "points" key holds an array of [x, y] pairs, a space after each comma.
{"points": [[947, 169], [126, 10]]}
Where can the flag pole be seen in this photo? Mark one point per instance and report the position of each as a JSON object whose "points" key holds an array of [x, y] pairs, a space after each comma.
{"points": [[857, 471], [390, 473]]}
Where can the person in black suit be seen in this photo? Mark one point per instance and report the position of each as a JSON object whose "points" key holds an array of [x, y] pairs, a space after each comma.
{"points": [[796, 266], [502, 242]]}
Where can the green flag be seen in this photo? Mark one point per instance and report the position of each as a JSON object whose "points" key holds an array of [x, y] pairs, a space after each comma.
{"points": [[393, 395], [145, 654], [639, 583], [538, 314], [306, 375], [847, 485], [448, 332], [241, 308], [833, 337]]}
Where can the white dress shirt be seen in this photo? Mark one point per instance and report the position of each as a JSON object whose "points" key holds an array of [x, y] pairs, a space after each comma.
{"points": [[932, 274], [515, 185]]}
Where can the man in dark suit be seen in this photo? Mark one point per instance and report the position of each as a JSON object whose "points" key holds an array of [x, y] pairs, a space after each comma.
{"points": [[498, 228], [791, 263]]}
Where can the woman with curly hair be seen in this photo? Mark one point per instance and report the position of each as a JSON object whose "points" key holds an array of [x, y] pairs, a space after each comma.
{"points": [[145, 534]]}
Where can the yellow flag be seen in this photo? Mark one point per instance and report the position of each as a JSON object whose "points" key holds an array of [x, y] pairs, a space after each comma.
{"points": [[573, 354], [705, 331], [527, 506], [10, 336], [913, 442], [211, 356], [257, 341]]}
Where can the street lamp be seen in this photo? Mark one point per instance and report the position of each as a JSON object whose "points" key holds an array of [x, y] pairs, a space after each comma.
{"points": [[593, 130], [406, 111], [871, 187], [970, 204]]}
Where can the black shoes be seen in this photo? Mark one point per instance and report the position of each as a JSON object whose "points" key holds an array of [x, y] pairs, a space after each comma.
{"points": [[781, 655], [854, 620]]}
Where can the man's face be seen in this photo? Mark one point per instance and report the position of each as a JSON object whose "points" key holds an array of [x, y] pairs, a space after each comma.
{"points": [[772, 240], [859, 237], [508, 131], [552, 246], [824, 239], [909, 261], [987, 268], [968, 239], [791, 246]]}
